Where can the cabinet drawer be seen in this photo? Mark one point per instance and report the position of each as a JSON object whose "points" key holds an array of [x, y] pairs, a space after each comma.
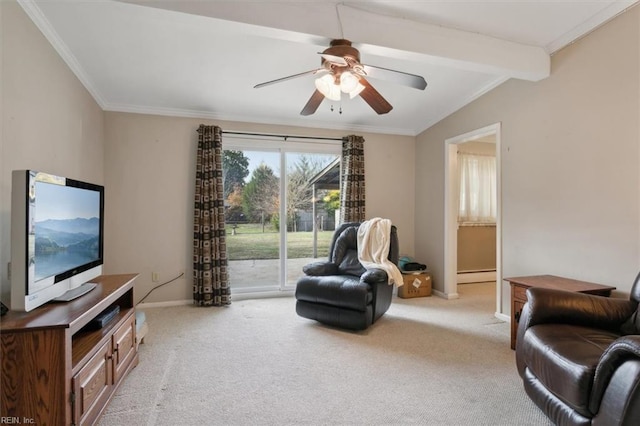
{"points": [[124, 347], [519, 293], [92, 386]]}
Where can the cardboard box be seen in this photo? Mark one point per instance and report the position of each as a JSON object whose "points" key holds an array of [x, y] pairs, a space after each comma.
{"points": [[415, 285]]}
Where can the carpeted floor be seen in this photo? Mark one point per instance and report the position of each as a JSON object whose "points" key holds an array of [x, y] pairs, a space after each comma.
{"points": [[427, 361]]}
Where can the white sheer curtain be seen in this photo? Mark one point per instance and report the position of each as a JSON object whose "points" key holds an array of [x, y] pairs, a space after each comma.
{"points": [[478, 194]]}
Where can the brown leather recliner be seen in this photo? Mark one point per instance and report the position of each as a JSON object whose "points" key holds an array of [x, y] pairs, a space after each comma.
{"points": [[579, 356]]}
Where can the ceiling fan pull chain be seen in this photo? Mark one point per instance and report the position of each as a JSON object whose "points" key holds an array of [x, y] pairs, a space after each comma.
{"points": [[339, 109]]}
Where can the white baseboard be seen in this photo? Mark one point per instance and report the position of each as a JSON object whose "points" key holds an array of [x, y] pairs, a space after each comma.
{"points": [[445, 295], [502, 317], [476, 277], [165, 304], [261, 295]]}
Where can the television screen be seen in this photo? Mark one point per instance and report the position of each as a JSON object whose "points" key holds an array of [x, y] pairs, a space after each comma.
{"points": [[56, 236], [66, 228]]}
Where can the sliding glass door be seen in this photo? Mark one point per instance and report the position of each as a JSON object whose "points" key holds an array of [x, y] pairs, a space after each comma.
{"points": [[312, 197], [252, 200], [280, 208]]}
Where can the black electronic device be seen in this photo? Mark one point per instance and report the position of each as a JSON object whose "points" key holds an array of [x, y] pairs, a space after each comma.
{"points": [[3, 309], [103, 318]]}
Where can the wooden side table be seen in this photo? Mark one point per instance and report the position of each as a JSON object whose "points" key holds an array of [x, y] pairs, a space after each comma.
{"points": [[519, 286]]}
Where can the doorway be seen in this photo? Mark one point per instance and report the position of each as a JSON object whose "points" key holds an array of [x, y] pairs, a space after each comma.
{"points": [[277, 220], [491, 132]]}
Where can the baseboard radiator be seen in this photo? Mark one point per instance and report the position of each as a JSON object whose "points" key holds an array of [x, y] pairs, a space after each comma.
{"points": [[478, 276]]}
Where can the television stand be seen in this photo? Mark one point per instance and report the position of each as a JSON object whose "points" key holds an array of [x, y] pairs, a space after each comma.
{"points": [[74, 293], [57, 372]]}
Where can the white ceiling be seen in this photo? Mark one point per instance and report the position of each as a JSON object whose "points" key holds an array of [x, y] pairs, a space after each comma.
{"points": [[202, 58]]}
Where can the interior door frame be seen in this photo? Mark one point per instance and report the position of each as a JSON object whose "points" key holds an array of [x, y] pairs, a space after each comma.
{"points": [[451, 212]]}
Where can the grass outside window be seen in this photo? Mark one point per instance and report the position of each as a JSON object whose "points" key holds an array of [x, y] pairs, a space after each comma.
{"points": [[248, 241]]}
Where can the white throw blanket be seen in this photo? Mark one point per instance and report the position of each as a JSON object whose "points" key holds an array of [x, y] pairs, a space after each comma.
{"points": [[374, 240]]}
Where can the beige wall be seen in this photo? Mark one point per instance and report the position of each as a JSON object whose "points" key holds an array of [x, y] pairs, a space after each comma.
{"points": [[475, 147], [476, 248], [49, 121], [150, 167], [570, 155]]}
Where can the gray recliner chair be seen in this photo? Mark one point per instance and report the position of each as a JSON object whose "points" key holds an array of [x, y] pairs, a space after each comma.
{"points": [[340, 292]]}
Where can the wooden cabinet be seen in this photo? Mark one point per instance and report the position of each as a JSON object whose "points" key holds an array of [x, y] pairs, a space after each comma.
{"points": [[124, 348], [94, 382], [519, 286], [92, 385], [54, 370], [518, 299]]}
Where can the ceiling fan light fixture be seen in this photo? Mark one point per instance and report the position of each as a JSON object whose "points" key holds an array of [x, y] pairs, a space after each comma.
{"points": [[348, 82], [355, 92], [343, 72], [327, 86]]}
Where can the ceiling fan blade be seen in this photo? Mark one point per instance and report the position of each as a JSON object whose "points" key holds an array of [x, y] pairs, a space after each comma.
{"points": [[279, 80], [406, 79], [374, 99], [338, 60], [313, 103]]}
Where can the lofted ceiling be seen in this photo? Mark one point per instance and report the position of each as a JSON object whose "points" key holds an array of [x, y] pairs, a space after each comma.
{"points": [[201, 58]]}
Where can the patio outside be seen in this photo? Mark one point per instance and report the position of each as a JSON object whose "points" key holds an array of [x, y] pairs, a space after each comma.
{"points": [[254, 257], [252, 273]]}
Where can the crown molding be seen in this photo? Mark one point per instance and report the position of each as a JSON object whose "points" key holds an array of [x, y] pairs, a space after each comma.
{"points": [[464, 102], [590, 25], [42, 23]]}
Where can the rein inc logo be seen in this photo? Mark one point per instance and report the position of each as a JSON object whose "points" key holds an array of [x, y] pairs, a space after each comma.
{"points": [[15, 420]]}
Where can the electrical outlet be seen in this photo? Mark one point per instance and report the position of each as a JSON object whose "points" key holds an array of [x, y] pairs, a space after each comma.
{"points": [[155, 277], [9, 271]]}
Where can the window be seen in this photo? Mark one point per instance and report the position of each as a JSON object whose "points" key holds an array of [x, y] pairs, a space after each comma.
{"points": [[271, 205], [478, 194]]}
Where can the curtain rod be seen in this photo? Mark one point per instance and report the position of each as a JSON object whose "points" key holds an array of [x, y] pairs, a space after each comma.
{"points": [[285, 137], [477, 154]]}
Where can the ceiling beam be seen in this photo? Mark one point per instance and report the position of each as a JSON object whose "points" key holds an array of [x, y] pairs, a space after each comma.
{"points": [[410, 40], [319, 22]]}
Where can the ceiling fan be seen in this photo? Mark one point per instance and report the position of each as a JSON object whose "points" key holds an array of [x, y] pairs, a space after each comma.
{"points": [[342, 72]]}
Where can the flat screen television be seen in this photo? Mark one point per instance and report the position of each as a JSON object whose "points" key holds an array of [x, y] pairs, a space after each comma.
{"points": [[56, 236]]}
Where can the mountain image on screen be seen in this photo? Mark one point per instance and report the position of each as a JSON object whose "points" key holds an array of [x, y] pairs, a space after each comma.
{"points": [[63, 244]]}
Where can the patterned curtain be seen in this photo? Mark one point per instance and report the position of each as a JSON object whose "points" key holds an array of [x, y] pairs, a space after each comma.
{"points": [[210, 276], [352, 191]]}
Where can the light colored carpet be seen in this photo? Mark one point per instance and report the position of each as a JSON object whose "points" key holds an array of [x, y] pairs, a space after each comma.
{"points": [[427, 361]]}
